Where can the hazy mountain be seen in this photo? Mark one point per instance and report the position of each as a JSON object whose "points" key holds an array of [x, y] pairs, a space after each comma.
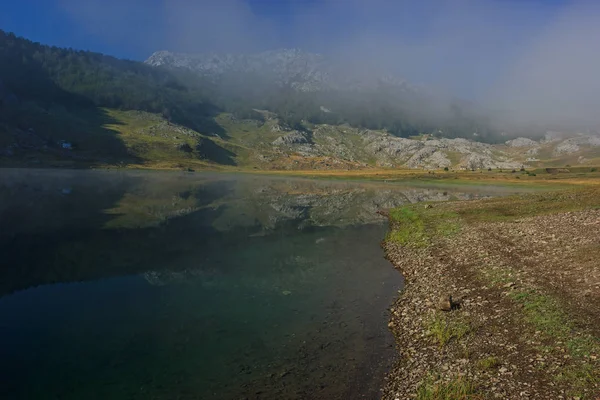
{"points": [[305, 72], [284, 109], [301, 86]]}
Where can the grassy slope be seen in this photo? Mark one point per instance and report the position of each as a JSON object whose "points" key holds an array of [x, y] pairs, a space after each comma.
{"points": [[541, 179], [436, 220], [547, 158], [105, 137]]}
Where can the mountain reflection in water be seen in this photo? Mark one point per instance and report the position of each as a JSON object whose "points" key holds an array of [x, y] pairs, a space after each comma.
{"points": [[195, 285]]}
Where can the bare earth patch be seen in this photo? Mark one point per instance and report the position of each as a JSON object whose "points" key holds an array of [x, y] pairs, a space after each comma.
{"points": [[525, 322]]}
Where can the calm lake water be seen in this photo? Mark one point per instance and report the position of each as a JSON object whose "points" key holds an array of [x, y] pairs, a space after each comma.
{"points": [[143, 285]]}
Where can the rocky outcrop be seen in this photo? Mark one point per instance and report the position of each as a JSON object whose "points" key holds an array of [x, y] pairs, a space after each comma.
{"points": [[429, 157], [420, 158], [477, 161], [439, 160], [594, 141], [568, 146], [521, 142], [390, 151], [294, 137], [575, 144], [392, 146]]}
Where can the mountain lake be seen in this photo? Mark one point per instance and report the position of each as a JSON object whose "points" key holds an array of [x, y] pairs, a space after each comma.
{"points": [[163, 285]]}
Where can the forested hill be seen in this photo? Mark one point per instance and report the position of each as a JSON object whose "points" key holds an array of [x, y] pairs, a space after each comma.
{"points": [[70, 108], [51, 75], [70, 77]]}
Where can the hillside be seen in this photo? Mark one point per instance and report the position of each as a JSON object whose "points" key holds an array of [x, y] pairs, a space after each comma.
{"points": [[109, 137], [68, 108], [301, 86], [303, 71]]}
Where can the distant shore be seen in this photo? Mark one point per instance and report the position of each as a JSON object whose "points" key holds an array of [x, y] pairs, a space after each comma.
{"points": [[501, 300], [575, 176]]}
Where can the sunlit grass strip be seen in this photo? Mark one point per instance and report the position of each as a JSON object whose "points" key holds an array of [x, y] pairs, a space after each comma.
{"points": [[488, 363], [446, 328], [458, 388], [416, 226], [545, 314], [523, 206]]}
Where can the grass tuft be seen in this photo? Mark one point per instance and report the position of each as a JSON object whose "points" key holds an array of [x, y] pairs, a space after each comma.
{"points": [[545, 315], [459, 388], [511, 208], [488, 363], [443, 328]]}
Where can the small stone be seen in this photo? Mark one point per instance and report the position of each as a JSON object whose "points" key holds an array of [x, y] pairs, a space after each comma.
{"points": [[509, 285]]}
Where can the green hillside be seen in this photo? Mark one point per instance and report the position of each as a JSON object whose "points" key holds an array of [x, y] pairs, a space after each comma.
{"points": [[68, 108]]}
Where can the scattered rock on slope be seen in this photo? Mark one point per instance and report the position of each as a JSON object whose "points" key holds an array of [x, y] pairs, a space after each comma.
{"points": [[568, 146], [294, 137], [521, 142]]}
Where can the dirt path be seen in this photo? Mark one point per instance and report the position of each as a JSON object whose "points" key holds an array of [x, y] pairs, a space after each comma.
{"points": [[526, 323]]}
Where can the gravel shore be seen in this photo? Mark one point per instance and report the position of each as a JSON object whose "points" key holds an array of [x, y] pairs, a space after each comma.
{"points": [[525, 314]]}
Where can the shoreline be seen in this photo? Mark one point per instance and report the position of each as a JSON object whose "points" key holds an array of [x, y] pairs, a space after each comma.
{"points": [[525, 318], [580, 176]]}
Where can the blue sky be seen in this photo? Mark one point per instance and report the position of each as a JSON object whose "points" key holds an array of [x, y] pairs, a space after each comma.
{"points": [[135, 28], [539, 56], [141, 24]]}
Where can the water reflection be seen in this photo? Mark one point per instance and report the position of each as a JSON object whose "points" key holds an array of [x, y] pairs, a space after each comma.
{"points": [[194, 285]]}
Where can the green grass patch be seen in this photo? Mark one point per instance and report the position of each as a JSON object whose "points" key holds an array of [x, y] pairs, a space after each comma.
{"points": [[416, 226], [488, 363], [447, 327], [514, 207], [545, 314], [459, 388], [579, 377], [409, 227]]}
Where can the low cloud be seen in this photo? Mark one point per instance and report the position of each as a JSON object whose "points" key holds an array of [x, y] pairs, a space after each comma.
{"points": [[555, 79], [532, 61]]}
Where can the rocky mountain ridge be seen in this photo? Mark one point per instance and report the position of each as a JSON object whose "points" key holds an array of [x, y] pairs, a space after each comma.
{"points": [[304, 71], [341, 146]]}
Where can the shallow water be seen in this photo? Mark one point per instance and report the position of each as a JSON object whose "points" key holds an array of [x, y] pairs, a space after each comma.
{"points": [[139, 285]]}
